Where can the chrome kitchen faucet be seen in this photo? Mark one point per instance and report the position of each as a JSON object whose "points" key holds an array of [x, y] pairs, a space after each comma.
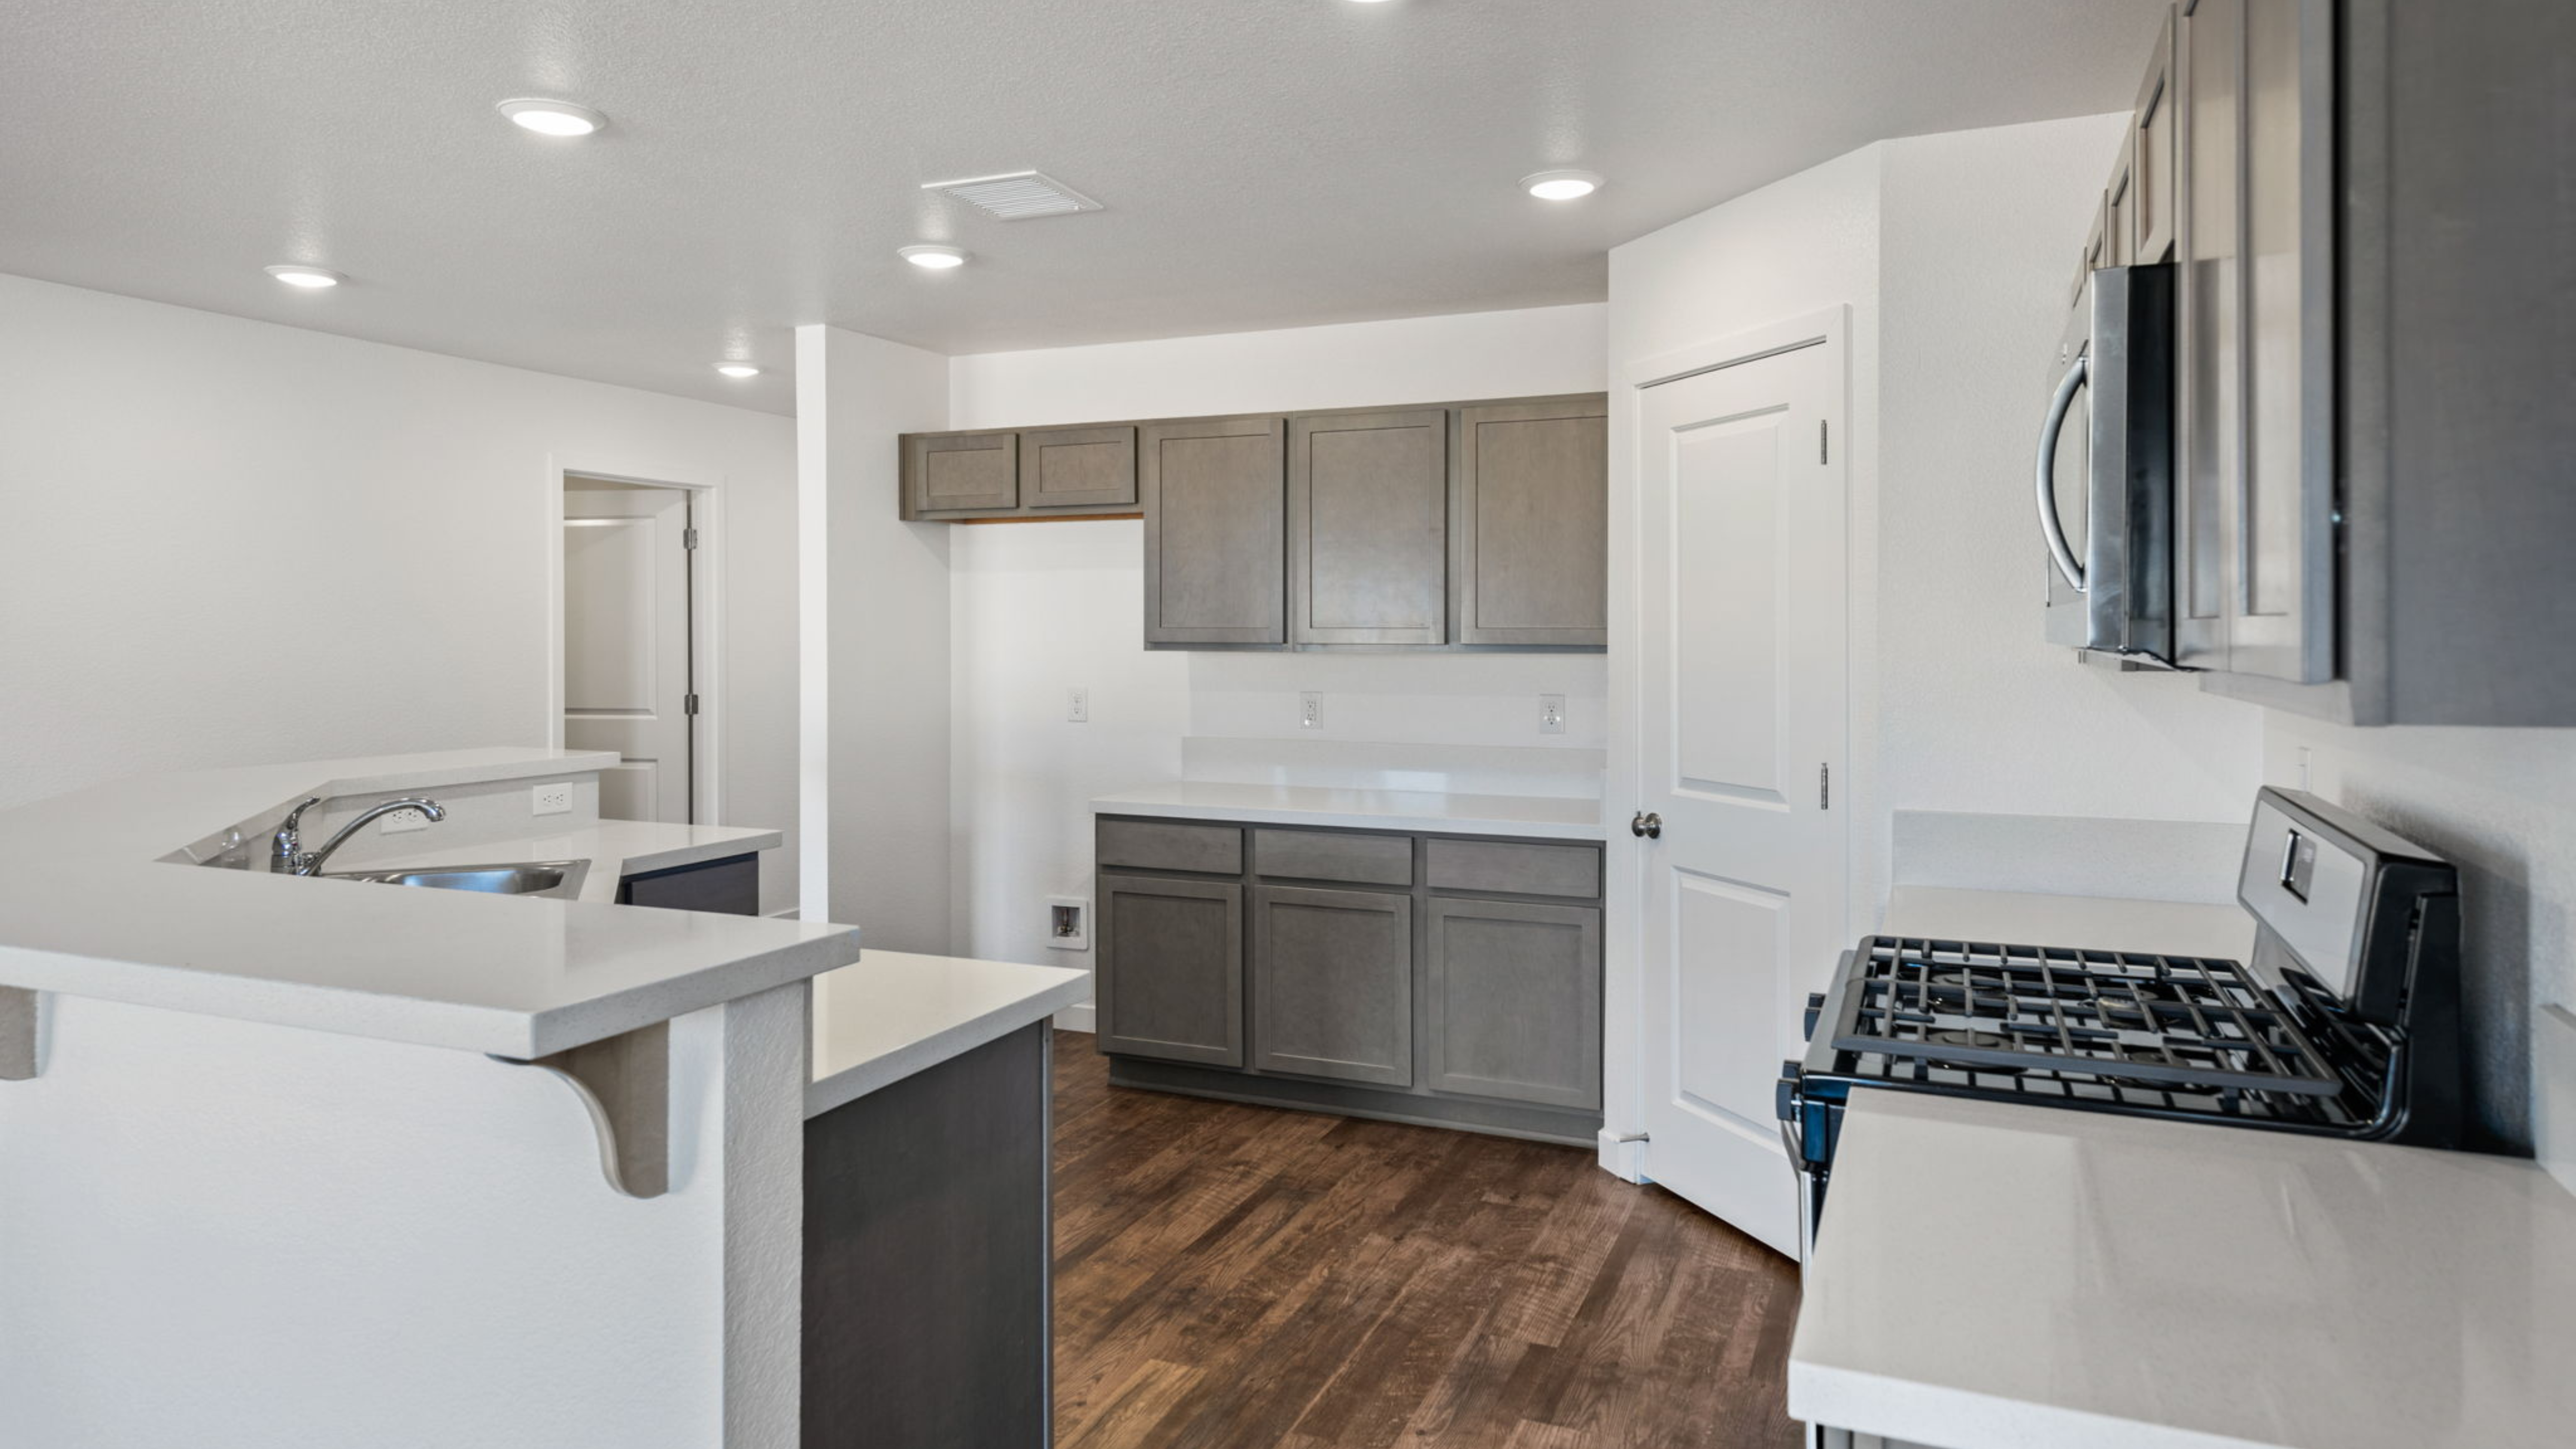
{"points": [[286, 855]]}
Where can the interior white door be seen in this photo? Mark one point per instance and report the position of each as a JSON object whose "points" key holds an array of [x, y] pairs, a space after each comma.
{"points": [[1742, 694], [626, 644]]}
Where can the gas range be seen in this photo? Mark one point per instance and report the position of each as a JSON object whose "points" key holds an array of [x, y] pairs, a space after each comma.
{"points": [[2344, 1022]]}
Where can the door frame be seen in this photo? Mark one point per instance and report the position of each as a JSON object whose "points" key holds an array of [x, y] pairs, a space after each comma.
{"points": [[706, 607], [1624, 1149]]}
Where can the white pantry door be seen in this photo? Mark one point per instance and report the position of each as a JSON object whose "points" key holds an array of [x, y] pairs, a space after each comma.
{"points": [[1742, 693], [626, 644]]}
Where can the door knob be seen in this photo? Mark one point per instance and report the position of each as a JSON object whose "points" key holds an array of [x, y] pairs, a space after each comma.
{"points": [[1647, 824]]}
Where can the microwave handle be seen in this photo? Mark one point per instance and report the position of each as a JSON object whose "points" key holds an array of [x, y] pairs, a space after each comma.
{"points": [[2049, 526]]}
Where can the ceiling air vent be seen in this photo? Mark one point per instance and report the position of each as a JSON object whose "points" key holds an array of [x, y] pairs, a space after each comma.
{"points": [[1016, 195]]}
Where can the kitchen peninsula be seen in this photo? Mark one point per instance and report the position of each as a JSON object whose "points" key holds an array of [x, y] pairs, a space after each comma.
{"points": [[282, 1133]]}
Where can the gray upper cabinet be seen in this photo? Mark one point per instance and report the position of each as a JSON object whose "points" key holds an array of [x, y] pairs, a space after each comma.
{"points": [[1334, 984], [1515, 1000], [1076, 467], [1530, 540], [2152, 129], [1479, 525], [1368, 527], [2371, 503], [1172, 969], [960, 473], [1215, 501]]}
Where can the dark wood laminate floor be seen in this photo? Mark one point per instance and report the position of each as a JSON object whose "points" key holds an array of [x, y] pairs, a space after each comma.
{"points": [[1233, 1277]]}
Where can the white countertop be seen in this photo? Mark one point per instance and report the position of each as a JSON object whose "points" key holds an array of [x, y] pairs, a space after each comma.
{"points": [[87, 907], [1571, 818], [2013, 918], [894, 1014], [1990, 1276]]}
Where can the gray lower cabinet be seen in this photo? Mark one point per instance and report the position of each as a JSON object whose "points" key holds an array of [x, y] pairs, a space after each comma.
{"points": [[1530, 545], [1334, 983], [1216, 558], [1515, 1000], [1171, 969], [1443, 979], [1368, 527]]}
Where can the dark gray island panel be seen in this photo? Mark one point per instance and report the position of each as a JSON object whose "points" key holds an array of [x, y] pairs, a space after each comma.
{"points": [[927, 1258]]}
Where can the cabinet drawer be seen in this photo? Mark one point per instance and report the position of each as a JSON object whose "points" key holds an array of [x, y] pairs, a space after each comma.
{"points": [[1511, 868], [1317, 855], [1170, 845]]}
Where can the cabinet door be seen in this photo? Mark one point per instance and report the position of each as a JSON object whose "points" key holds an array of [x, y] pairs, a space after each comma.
{"points": [[1334, 974], [2208, 433], [2151, 170], [1073, 467], [1214, 494], [1515, 1006], [1171, 969], [2282, 621], [1531, 540], [1368, 528], [961, 473], [2117, 240]]}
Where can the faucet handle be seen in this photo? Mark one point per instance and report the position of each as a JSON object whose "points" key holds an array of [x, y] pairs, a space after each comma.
{"points": [[295, 817], [285, 850]]}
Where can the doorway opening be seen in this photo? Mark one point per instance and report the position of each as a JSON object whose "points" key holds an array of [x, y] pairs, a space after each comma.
{"points": [[634, 611]]}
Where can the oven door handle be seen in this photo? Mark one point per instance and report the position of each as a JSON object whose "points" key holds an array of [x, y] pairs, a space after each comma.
{"points": [[2050, 527]]}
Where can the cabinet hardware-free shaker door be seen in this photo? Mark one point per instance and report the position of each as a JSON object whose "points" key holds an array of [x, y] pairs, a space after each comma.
{"points": [[1335, 992], [1214, 492], [1171, 969], [1529, 558], [1368, 528], [961, 473]]}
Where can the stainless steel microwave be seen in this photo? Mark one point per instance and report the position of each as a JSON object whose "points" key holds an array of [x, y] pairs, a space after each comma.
{"points": [[2105, 473]]}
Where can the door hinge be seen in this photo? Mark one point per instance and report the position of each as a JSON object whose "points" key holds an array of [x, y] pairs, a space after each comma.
{"points": [[688, 538], [1824, 787], [689, 704], [1820, 441]]}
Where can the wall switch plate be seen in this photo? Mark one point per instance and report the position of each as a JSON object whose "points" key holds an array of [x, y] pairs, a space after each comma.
{"points": [[1310, 710], [552, 798], [402, 820], [1551, 714], [1068, 923], [1077, 705]]}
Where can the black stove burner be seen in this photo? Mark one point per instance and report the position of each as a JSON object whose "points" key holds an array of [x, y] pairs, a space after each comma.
{"points": [[2126, 1019]]}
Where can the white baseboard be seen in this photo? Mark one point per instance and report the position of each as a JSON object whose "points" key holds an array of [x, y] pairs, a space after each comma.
{"points": [[1623, 1157], [1075, 1018]]}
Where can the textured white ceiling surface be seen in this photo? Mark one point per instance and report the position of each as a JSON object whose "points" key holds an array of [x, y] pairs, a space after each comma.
{"points": [[1262, 163]]}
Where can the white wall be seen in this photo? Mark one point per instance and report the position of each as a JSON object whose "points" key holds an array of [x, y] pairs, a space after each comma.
{"points": [[1039, 608], [2501, 805], [878, 677], [1976, 712], [230, 542]]}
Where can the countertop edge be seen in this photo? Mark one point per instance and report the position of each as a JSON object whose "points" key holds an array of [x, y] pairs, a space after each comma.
{"points": [[1354, 820], [1870, 1403], [949, 1042]]}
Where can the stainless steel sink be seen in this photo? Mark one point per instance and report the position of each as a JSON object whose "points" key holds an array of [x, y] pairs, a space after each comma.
{"points": [[560, 879]]}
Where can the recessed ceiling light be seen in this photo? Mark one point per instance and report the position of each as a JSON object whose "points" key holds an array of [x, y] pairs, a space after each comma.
{"points": [[314, 278], [737, 369], [553, 118], [1561, 185], [937, 258]]}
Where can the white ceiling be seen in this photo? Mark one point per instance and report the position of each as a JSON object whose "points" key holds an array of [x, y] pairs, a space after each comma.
{"points": [[1264, 163]]}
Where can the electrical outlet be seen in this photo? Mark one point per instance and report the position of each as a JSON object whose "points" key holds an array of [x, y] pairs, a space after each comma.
{"points": [[552, 798], [1551, 714], [402, 820], [1068, 923], [1077, 705], [1310, 710]]}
